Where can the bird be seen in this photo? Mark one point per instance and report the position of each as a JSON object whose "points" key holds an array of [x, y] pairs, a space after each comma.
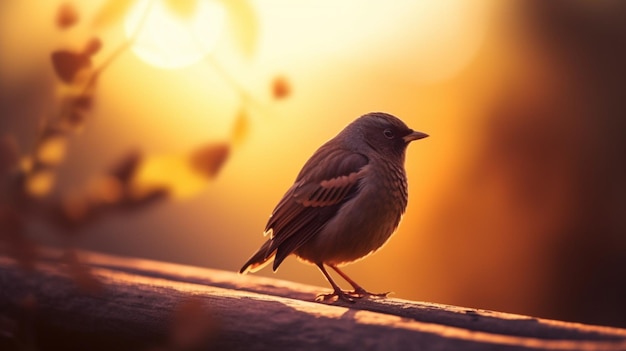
{"points": [[345, 203]]}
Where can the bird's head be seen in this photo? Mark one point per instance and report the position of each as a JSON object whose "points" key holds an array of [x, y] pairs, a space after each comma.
{"points": [[384, 133]]}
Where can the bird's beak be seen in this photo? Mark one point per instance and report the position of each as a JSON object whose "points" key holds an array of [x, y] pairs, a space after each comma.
{"points": [[415, 135]]}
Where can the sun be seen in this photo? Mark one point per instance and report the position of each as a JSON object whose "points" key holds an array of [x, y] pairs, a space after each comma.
{"points": [[170, 40]]}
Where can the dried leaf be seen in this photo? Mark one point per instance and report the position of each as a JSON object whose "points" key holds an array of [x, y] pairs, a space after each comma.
{"points": [[40, 183], [9, 155], [139, 194], [75, 109], [182, 8], [67, 16], [280, 88], [83, 102], [241, 127], [243, 25], [126, 168], [177, 175], [209, 159], [50, 130], [172, 173], [81, 274], [92, 47], [68, 64], [51, 150], [105, 190], [111, 11], [74, 120], [86, 80]]}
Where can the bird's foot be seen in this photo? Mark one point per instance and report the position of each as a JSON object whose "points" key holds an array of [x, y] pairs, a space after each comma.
{"points": [[350, 296], [361, 293], [336, 295]]}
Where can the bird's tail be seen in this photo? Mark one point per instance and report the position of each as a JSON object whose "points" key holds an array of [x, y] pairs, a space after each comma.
{"points": [[260, 259]]}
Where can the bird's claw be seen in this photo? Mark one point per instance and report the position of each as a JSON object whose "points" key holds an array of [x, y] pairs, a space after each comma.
{"points": [[364, 293], [332, 297], [350, 296]]}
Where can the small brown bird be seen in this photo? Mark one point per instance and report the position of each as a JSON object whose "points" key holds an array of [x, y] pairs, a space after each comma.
{"points": [[346, 202]]}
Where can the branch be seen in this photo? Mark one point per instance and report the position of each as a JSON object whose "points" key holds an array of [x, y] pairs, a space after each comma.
{"points": [[146, 303]]}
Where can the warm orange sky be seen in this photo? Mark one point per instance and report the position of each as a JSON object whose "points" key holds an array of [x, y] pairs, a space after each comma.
{"points": [[342, 60]]}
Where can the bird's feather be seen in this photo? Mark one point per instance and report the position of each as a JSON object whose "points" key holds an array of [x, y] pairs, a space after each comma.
{"points": [[259, 259], [315, 198], [327, 180]]}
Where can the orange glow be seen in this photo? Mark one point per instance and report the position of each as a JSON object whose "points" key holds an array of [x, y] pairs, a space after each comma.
{"points": [[173, 172], [52, 151], [40, 183], [169, 40], [515, 200]]}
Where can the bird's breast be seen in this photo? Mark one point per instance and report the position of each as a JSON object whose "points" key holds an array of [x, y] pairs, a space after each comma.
{"points": [[365, 222]]}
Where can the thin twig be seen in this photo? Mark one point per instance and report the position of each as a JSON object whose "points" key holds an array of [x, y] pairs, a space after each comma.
{"points": [[68, 106], [131, 40]]}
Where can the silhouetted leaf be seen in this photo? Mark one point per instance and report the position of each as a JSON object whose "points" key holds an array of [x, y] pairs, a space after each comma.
{"points": [[9, 155], [241, 127], [74, 120], [243, 25], [92, 47], [105, 190], [179, 176], [83, 102], [67, 64], [111, 12], [75, 113], [67, 16], [182, 8], [174, 173], [126, 168], [280, 88], [209, 160], [51, 131], [139, 194]]}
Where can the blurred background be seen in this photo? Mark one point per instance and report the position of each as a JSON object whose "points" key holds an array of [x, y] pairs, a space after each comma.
{"points": [[204, 111]]}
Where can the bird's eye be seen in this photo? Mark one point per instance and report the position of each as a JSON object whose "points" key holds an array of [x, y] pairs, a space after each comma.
{"points": [[388, 133]]}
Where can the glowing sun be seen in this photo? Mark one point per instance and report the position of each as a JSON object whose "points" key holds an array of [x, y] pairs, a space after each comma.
{"points": [[171, 40]]}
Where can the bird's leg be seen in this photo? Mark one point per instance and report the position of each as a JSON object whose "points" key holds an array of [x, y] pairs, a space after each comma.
{"points": [[358, 290], [337, 290]]}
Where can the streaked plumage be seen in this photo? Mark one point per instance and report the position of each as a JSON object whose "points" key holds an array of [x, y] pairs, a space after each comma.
{"points": [[346, 201]]}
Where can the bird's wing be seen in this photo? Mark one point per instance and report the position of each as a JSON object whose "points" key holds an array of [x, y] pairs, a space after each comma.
{"points": [[327, 180]]}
